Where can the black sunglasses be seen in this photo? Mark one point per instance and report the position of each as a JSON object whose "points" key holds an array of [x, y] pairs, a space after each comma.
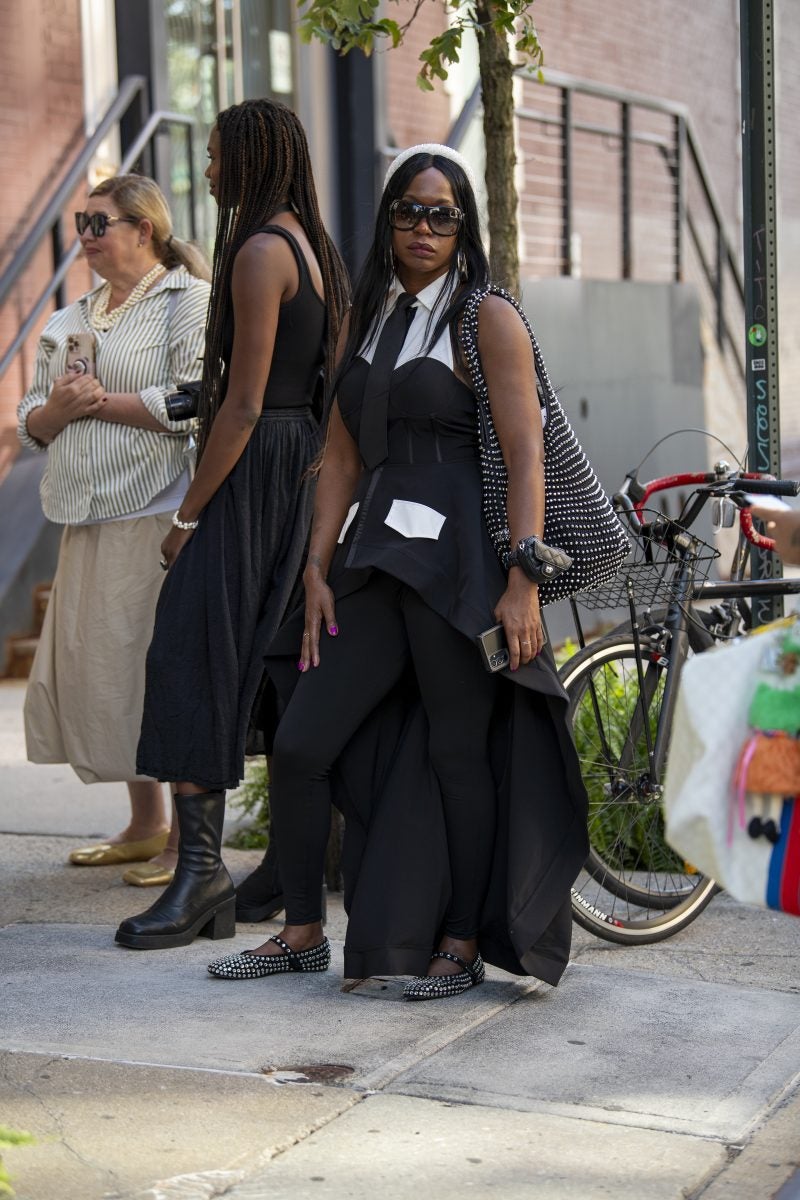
{"points": [[98, 222], [407, 214]]}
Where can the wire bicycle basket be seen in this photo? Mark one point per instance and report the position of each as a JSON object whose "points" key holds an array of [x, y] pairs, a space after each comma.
{"points": [[653, 568]]}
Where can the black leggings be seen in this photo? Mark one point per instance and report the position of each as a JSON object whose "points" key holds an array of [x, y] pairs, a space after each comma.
{"points": [[383, 626]]}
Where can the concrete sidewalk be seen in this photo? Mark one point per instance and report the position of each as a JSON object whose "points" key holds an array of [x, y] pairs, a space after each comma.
{"points": [[658, 1072]]}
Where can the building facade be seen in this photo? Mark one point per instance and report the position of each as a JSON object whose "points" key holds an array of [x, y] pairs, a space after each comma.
{"points": [[598, 203]]}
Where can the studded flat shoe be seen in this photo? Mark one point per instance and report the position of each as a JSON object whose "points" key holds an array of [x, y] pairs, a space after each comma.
{"points": [[256, 966], [436, 987]]}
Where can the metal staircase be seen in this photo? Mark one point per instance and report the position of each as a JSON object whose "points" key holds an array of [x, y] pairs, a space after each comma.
{"points": [[28, 543], [614, 185]]}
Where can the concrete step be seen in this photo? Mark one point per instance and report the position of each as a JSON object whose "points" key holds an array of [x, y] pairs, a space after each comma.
{"points": [[41, 597], [19, 656], [20, 648]]}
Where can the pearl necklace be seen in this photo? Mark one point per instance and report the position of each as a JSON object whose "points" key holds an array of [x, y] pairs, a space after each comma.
{"points": [[101, 319]]}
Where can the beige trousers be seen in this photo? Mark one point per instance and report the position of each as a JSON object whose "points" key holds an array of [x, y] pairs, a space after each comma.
{"points": [[85, 695]]}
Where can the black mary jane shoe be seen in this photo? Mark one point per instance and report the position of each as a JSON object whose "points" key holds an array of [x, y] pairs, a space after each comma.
{"points": [[256, 966], [437, 987]]}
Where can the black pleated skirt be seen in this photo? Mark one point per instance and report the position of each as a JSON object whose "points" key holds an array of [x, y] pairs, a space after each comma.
{"points": [[221, 604]]}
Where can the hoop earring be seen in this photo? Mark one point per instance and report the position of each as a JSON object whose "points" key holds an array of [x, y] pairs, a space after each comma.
{"points": [[462, 264]]}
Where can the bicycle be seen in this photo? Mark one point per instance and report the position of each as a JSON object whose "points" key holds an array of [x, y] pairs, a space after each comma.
{"points": [[622, 689]]}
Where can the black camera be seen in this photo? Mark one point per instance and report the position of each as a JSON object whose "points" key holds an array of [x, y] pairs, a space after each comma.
{"points": [[183, 404]]}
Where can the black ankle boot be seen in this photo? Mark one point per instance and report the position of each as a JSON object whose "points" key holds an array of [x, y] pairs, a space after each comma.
{"points": [[200, 901], [260, 895]]}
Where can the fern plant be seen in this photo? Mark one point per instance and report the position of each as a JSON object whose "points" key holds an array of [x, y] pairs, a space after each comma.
{"points": [[9, 1138]]}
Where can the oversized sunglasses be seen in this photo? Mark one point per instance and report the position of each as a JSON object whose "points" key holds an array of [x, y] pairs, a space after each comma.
{"points": [[98, 222], [407, 214]]}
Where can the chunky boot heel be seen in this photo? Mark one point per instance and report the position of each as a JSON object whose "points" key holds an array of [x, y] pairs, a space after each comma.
{"points": [[222, 924], [201, 899]]}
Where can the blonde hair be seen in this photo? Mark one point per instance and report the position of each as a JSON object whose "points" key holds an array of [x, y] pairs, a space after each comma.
{"points": [[140, 198]]}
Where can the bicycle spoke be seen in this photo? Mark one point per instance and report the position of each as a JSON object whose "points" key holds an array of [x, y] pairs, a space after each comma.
{"points": [[632, 882]]}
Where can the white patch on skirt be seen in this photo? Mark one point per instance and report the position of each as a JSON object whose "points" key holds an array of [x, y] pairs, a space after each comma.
{"points": [[415, 520]]}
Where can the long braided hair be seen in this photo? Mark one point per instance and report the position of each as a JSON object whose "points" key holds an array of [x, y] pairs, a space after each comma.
{"points": [[264, 163]]}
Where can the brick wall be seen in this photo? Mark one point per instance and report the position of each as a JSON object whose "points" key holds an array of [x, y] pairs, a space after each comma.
{"points": [[682, 51], [413, 115], [41, 102]]}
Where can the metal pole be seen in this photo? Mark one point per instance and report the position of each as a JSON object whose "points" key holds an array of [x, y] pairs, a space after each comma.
{"points": [[58, 253], [760, 262], [567, 264], [679, 128], [627, 210]]}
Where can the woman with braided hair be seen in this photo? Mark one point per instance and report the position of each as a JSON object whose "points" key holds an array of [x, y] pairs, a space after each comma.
{"points": [[234, 553]]}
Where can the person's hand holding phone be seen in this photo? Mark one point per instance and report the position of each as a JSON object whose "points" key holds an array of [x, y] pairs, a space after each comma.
{"points": [[71, 397]]}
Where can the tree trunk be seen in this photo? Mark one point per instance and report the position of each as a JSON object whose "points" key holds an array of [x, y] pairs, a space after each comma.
{"points": [[497, 85]]}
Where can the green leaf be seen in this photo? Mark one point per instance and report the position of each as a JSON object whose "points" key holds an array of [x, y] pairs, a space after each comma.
{"points": [[15, 1137]]}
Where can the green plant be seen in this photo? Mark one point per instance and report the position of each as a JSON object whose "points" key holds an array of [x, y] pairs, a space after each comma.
{"points": [[9, 1138], [627, 830], [505, 34], [252, 799]]}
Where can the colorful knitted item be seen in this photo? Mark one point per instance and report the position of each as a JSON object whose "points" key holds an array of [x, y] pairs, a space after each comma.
{"points": [[767, 775]]}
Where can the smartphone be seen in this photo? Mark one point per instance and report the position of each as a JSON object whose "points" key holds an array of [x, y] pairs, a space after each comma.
{"points": [[772, 502], [81, 354], [493, 647]]}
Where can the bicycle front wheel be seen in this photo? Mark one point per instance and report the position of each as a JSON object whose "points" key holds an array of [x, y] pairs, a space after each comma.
{"points": [[634, 888]]}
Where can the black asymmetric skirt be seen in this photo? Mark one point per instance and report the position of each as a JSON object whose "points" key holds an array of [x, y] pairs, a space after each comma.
{"points": [[221, 604]]}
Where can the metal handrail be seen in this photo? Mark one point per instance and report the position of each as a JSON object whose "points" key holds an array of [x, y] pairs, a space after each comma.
{"points": [[131, 88], [685, 141]]}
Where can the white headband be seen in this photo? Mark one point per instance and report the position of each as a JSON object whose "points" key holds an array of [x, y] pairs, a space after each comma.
{"points": [[431, 148]]}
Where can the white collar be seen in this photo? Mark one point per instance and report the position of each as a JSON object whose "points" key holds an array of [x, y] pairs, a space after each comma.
{"points": [[428, 298]]}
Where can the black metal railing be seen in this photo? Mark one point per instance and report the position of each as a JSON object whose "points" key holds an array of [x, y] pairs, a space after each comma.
{"points": [[578, 109], [49, 225]]}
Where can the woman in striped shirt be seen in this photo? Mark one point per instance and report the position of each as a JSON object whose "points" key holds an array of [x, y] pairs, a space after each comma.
{"points": [[117, 469]]}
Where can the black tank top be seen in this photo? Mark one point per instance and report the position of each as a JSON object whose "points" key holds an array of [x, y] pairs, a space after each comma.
{"points": [[299, 339]]}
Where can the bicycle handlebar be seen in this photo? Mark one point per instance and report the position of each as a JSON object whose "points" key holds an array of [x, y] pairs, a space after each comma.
{"points": [[772, 487], [734, 485]]}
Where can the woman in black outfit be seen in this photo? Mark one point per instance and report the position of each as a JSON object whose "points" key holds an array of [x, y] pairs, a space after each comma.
{"points": [[464, 810], [279, 290]]}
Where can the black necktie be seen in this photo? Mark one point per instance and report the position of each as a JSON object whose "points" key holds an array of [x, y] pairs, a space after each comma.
{"points": [[372, 437]]}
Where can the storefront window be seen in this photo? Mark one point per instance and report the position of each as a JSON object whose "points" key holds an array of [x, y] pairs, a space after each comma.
{"points": [[220, 52]]}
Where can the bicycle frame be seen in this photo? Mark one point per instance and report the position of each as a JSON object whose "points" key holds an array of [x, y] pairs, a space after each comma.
{"points": [[684, 592]]}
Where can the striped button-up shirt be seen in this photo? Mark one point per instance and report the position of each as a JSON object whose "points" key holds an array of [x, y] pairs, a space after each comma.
{"points": [[98, 470]]}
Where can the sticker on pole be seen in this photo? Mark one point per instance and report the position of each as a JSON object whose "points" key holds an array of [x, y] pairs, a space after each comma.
{"points": [[757, 335]]}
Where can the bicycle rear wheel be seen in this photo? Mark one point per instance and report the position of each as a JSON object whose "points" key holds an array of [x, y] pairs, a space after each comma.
{"points": [[634, 887]]}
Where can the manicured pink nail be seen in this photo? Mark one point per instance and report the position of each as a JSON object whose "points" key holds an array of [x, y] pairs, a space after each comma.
{"points": [[333, 630], [301, 666]]}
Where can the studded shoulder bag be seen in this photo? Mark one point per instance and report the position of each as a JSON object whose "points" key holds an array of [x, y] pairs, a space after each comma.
{"points": [[579, 518]]}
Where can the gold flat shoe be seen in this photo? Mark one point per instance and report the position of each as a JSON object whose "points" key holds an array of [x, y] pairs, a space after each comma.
{"points": [[149, 875], [107, 854]]}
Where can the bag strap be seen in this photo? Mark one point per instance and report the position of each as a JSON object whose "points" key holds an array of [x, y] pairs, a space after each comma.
{"points": [[469, 342], [172, 304]]}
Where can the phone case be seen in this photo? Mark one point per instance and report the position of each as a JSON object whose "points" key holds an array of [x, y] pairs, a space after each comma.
{"points": [[494, 651], [81, 353]]}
